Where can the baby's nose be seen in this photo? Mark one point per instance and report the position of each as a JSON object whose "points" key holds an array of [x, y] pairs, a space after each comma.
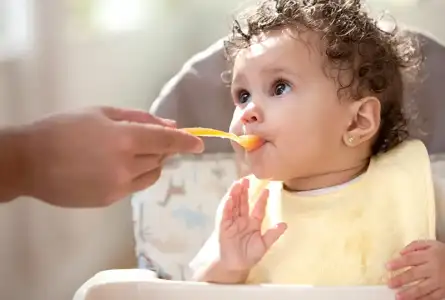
{"points": [[251, 114]]}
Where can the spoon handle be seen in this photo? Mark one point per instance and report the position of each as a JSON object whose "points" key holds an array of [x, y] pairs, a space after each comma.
{"points": [[208, 132]]}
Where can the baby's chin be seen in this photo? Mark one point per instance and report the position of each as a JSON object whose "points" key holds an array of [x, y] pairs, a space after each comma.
{"points": [[264, 173]]}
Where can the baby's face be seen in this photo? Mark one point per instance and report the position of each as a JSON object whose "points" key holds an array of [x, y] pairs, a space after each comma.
{"points": [[283, 93]]}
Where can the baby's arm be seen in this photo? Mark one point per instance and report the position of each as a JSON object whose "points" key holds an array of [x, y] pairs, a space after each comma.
{"points": [[217, 273], [207, 267]]}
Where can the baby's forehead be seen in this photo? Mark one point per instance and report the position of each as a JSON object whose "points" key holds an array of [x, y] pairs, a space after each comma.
{"points": [[284, 48]]}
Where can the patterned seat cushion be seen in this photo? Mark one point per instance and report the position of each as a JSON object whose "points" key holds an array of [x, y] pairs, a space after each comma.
{"points": [[173, 218]]}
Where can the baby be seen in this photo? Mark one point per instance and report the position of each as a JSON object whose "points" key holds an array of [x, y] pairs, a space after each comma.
{"points": [[337, 195]]}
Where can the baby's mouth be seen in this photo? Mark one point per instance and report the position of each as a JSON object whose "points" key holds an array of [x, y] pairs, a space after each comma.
{"points": [[256, 139], [258, 147]]}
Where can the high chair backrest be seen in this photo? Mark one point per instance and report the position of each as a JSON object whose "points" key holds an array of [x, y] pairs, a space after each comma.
{"points": [[429, 96], [197, 96]]}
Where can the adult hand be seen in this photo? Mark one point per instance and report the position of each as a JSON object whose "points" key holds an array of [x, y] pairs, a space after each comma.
{"points": [[96, 156]]}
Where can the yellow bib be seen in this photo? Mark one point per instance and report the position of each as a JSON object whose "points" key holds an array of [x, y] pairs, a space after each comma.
{"points": [[346, 237]]}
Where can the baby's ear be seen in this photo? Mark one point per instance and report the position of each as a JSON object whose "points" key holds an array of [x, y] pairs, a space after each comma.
{"points": [[365, 121]]}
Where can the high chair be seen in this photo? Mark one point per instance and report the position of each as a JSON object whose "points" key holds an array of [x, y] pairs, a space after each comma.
{"points": [[174, 217], [142, 285]]}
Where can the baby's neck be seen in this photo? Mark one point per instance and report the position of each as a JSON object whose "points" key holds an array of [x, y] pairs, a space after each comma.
{"points": [[325, 180]]}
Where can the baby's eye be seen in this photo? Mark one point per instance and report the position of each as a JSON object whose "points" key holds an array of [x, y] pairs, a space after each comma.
{"points": [[243, 97], [281, 88]]}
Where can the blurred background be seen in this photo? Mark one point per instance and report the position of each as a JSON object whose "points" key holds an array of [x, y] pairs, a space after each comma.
{"points": [[61, 54]]}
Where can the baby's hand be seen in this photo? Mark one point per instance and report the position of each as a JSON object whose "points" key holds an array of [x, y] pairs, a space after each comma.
{"points": [[425, 261], [241, 241]]}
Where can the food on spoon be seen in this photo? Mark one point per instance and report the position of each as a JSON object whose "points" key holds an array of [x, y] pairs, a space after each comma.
{"points": [[250, 142]]}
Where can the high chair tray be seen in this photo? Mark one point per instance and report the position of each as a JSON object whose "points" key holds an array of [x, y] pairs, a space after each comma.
{"points": [[143, 285]]}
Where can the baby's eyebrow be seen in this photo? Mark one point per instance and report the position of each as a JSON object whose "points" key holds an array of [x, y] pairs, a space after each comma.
{"points": [[280, 70], [238, 78]]}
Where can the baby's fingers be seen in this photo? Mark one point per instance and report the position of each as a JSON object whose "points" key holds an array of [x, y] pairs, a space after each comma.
{"points": [[232, 204], [228, 210], [409, 276], [412, 259], [273, 234], [417, 246], [259, 210], [422, 290], [244, 198]]}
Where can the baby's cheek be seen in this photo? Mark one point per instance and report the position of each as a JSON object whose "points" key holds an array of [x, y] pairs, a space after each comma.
{"points": [[237, 148], [236, 127]]}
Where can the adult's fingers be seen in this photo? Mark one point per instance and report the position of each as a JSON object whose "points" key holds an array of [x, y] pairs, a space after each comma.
{"points": [[145, 180], [155, 139], [134, 115], [143, 164]]}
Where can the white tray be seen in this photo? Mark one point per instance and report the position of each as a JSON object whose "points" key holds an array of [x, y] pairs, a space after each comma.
{"points": [[143, 285]]}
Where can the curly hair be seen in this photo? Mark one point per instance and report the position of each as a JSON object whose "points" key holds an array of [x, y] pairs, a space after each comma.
{"points": [[380, 62]]}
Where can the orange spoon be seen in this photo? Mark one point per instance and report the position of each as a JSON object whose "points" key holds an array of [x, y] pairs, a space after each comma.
{"points": [[248, 142]]}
